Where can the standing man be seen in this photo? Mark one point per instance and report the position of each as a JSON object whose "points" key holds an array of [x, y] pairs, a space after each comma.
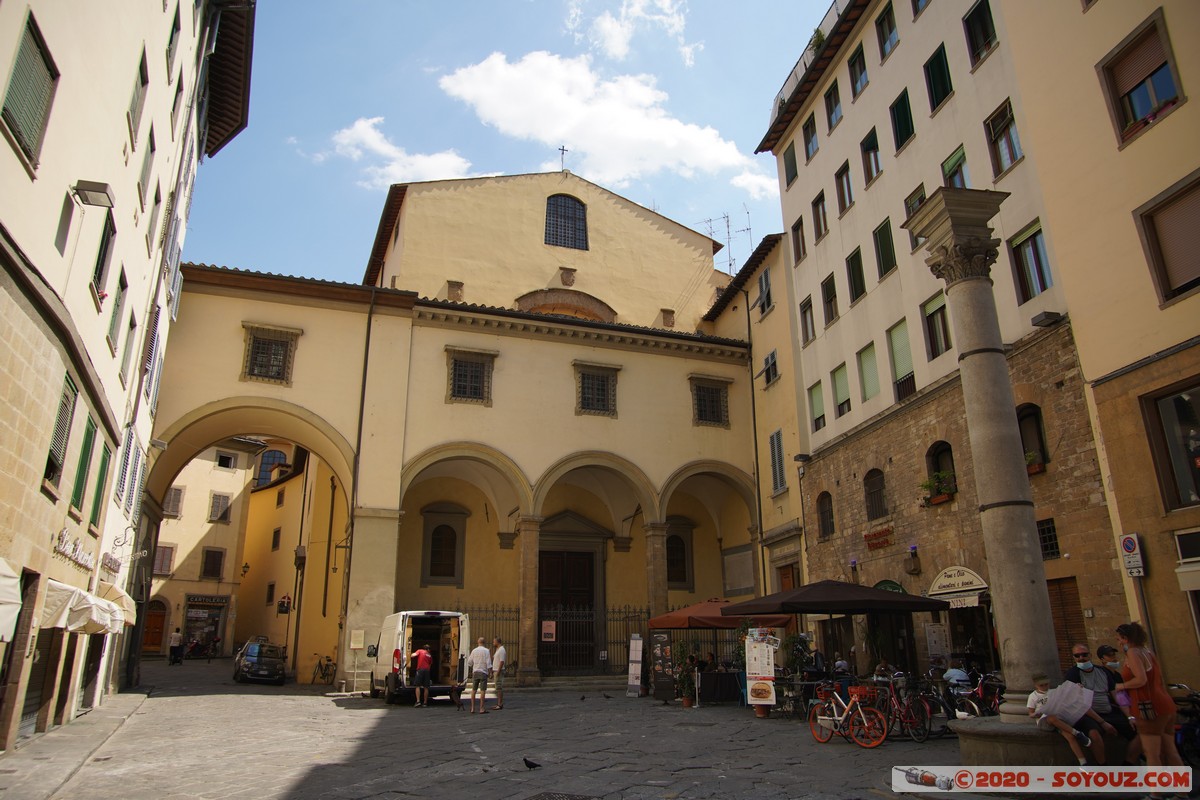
{"points": [[421, 678], [1103, 684], [176, 649], [499, 661], [478, 664]]}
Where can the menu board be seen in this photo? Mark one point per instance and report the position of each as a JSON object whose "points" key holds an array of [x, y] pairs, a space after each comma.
{"points": [[760, 673], [662, 666]]}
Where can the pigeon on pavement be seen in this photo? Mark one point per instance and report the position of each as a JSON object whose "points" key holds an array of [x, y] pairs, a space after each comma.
{"points": [[530, 765]]}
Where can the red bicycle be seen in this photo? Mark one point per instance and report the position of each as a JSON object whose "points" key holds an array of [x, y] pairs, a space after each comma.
{"points": [[910, 715]]}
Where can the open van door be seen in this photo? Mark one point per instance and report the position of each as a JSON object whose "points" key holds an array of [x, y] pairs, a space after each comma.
{"points": [[465, 645]]}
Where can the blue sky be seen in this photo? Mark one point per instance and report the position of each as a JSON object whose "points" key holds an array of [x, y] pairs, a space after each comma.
{"points": [[660, 101]]}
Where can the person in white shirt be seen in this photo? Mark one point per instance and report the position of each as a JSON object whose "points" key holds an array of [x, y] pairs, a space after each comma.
{"points": [[499, 662], [478, 664]]}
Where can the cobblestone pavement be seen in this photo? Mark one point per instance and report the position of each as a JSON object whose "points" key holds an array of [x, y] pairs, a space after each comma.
{"points": [[199, 735]]}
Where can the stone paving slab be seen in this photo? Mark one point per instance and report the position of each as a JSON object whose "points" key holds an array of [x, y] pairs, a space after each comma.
{"points": [[198, 735]]}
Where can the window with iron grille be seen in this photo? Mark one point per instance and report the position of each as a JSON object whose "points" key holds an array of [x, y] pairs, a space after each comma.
{"points": [[937, 78], [1003, 142], [566, 222], [213, 564], [825, 528], [441, 552], [62, 432], [1048, 539], [270, 354], [164, 558], [173, 502], [30, 91], [778, 478], [903, 379], [595, 389], [980, 30], [443, 544], [218, 508], [710, 401], [873, 489], [470, 376]]}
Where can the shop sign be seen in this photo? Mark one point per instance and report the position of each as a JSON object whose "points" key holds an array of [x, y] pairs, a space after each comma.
{"points": [[110, 563], [879, 539], [207, 599], [890, 586], [549, 630], [73, 550], [956, 579]]}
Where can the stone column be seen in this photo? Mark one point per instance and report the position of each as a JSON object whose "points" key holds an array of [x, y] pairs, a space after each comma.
{"points": [[656, 566], [371, 594], [961, 253], [528, 534]]}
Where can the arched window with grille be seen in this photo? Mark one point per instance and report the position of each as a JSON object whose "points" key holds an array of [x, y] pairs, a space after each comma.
{"points": [[824, 515], [1033, 437], [873, 489], [939, 462], [566, 222], [266, 466]]}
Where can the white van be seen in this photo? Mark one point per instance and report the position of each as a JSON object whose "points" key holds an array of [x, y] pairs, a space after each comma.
{"points": [[446, 634]]}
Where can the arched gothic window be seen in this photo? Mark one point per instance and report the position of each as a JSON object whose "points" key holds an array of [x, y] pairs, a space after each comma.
{"points": [[266, 465], [1033, 439]]}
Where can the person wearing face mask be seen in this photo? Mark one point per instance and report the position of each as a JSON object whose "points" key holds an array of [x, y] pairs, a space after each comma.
{"points": [[1102, 683]]}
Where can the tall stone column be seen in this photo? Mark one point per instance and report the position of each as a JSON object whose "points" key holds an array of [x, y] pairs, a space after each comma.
{"points": [[656, 566], [961, 253], [529, 531], [371, 594]]}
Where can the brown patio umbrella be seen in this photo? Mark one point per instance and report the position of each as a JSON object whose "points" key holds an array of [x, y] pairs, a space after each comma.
{"points": [[833, 597], [709, 615]]}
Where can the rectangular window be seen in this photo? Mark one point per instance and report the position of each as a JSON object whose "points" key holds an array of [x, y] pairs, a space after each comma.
{"points": [[808, 330], [1172, 421], [213, 564], [868, 372], [177, 103], [765, 303], [902, 124], [885, 252], [280, 496], [845, 192], [911, 204], [854, 275], [1048, 539], [101, 481], [841, 389], [218, 508], [1033, 268], [1003, 142], [147, 165], [954, 170], [981, 32], [903, 380], [858, 71], [276, 535], [710, 402], [56, 459], [104, 254], [470, 376], [85, 464], [270, 354], [829, 298], [790, 170], [937, 78], [770, 370], [595, 389], [833, 106], [173, 42], [164, 559], [118, 311], [226, 460], [173, 502], [816, 406], [885, 27], [31, 89], [798, 249], [937, 327], [918, 7], [271, 594], [138, 100], [820, 223], [810, 137], [870, 157], [1140, 78], [778, 481], [1169, 226]]}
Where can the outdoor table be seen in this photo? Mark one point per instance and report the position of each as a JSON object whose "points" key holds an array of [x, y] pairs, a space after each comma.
{"points": [[720, 687]]}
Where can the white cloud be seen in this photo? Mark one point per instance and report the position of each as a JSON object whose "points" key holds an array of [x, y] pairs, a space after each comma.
{"points": [[757, 185], [617, 128], [612, 34], [386, 163]]}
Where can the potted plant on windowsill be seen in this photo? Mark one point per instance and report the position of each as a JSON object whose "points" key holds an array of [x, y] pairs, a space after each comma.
{"points": [[939, 487], [1034, 463]]}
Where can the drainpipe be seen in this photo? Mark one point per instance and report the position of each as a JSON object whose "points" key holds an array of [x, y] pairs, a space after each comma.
{"points": [[762, 563]]}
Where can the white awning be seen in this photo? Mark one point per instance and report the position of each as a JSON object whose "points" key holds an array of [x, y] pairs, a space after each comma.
{"points": [[10, 600], [110, 591], [79, 611]]}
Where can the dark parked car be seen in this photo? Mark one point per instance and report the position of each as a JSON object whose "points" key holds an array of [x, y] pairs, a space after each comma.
{"points": [[259, 661]]}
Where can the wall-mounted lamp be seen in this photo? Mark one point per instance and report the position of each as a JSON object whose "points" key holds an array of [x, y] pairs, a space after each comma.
{"points": [[912, 551], [245, 568], [158, 444], [93, 193], [913, 565], [854, 565]]}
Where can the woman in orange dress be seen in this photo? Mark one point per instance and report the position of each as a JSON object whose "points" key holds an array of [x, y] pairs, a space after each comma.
{"points": [[1151, 705]]}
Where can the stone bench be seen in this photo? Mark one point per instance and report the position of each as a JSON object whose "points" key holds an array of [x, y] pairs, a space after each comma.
{"points": [[985, 741]]}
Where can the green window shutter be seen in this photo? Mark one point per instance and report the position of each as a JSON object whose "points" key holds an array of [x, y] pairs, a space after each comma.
{"points": [[841, 385], [62, 431], [27, 102], [934, 304], [901, 354], [85, 464], [868, 372], [816, 400], [101, 478]]}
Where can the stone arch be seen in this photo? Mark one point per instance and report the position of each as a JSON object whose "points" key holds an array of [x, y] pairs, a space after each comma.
{"points": [[567, 302], [201, 427], [626, 471], [735, 479], [512, 488]]}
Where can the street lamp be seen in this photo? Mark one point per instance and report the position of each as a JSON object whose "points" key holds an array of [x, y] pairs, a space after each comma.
{"points": [[245, 568]]}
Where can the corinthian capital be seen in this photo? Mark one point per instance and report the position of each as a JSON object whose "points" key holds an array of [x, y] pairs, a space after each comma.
{"points": [[962, 258]]}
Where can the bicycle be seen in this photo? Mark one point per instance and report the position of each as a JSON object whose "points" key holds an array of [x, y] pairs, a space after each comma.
{"points": [[911, 715], [857, 721], [940, 710], [324, 670], [1187, 731]]}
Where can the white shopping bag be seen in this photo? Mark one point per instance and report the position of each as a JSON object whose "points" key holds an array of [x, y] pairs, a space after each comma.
{"points": [[1068, 701]]}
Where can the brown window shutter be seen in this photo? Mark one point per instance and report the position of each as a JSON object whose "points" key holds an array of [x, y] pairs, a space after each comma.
{"points": [[1136, 63], [1177, 228]]}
